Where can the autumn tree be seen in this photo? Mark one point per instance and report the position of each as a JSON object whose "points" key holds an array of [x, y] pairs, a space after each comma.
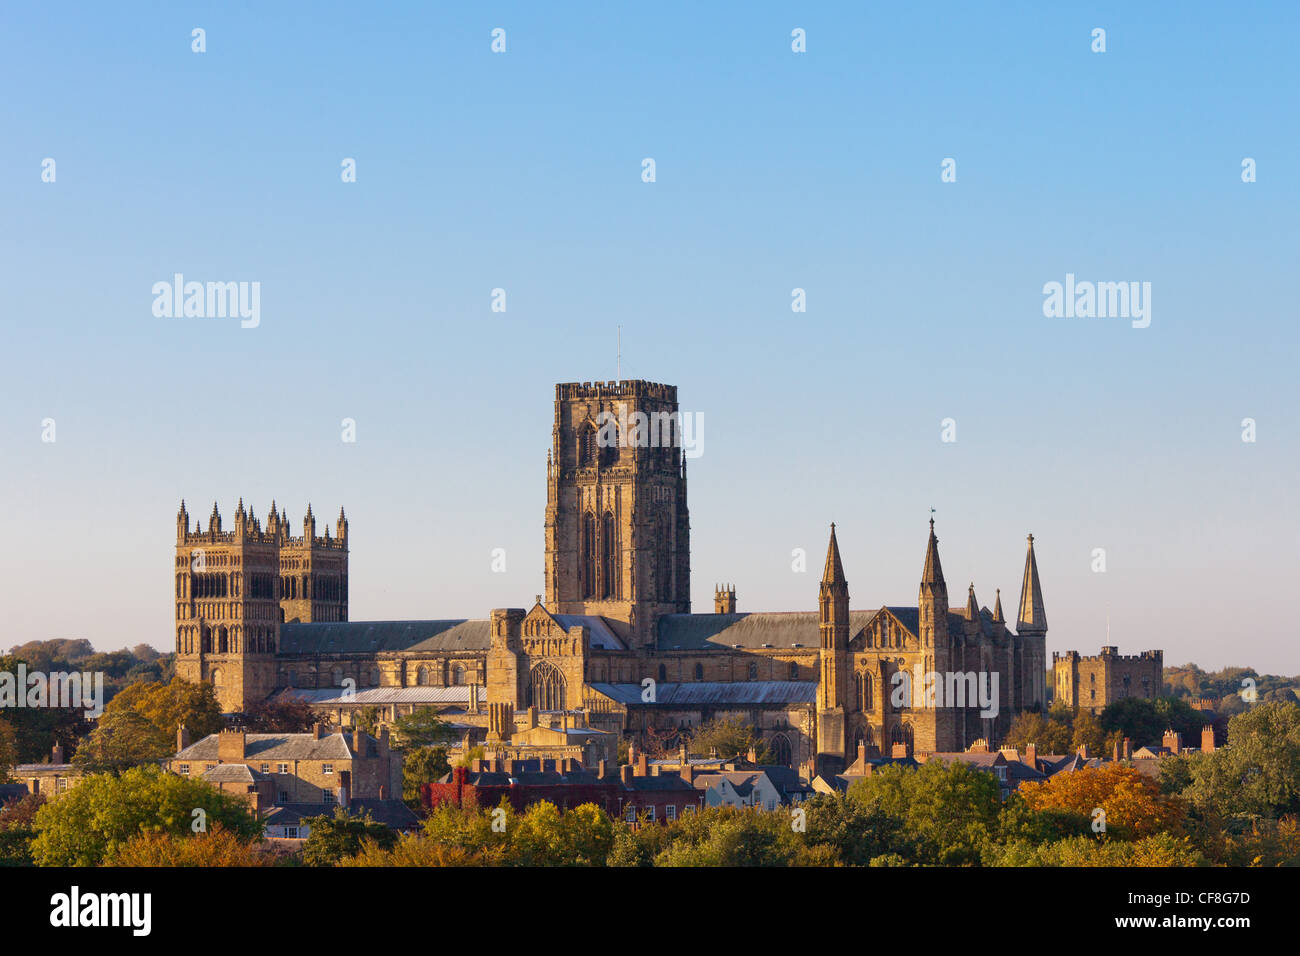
{"points": [[1133, 805], [1048, 734], [279, 715], [217, 847], [172, 706]]}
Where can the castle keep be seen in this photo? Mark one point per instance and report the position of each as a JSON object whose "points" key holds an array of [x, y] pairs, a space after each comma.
{"points": [[260, 612]]}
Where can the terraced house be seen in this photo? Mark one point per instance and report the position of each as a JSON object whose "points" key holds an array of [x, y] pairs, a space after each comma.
{"points": [[260, 611]]}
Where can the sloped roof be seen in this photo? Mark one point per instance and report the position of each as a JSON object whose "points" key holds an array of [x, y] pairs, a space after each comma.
{"points": [[333, 696], [694, 632], [368, 637], [233, 773], [601, 631], [276, 747], [715, 692]]}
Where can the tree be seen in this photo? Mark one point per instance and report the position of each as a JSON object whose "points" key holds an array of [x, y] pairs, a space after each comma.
{"points": [[420, 766], [1089, 733], [1145, 721], [17, 830], [422, 728], [279, 715], [172, 706], [124, 738], [730, 737], [334, 838], [1048, 733], [948, 810], [413, 850], [8, 750], [219, 847], [1258, 773], [89, 822], [1133, 805], [854, 833]]}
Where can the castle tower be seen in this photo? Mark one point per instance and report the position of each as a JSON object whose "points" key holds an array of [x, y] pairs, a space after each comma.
{"points": [[833, 621], [227, 619], [617, 527], [313, 570]]}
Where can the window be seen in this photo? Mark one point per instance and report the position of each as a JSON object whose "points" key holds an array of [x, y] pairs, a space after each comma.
{"points": [[266, 768], [670, 812], [282, 797], [282, 768], [1001, 772], [663, 674], [630, 815], [327, 768], [794, 670], [183, 769], [328, 798], [291, 833], [699, 672], [650, 813], [753, 670]]}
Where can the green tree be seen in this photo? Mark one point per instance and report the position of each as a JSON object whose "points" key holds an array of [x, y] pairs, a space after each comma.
{"points": [[172, 706], [949, 811], [1048, 733], [334, 838], [124, 738], [730, 737], [102, 812], [420, 766], [422, 728], [1144, 721], [1089, 733], [1258, 773]]}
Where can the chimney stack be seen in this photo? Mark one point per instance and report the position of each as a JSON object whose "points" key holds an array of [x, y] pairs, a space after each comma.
{"points": [[358, 741], [600, 769], [56, 755], [317, 730], [345, 789], [1207, 739], [1128, 749], [1031, 755], [642, 765], [625, 773], [1173, 741], [230, 746], [182, 738]]}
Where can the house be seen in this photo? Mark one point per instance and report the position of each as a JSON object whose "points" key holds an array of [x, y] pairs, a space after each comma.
{"points": [[292, 821], [49, 779]]}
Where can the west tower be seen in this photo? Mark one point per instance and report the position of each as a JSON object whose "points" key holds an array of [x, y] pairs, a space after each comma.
{"points": [[617, 527]]}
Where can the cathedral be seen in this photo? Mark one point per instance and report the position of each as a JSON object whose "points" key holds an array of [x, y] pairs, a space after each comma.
{"points": [[613, 644]]}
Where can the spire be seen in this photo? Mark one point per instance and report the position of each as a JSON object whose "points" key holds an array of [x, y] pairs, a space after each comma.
{"points": [[972, 605], [834, 573], [933, 573], [997, 610], [1032, 616]]}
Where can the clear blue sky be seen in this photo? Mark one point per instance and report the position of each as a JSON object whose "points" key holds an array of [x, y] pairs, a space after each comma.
{"points": [[775, 170]]}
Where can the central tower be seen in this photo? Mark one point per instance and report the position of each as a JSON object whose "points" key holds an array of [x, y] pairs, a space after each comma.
{"points": [[617, 528]]}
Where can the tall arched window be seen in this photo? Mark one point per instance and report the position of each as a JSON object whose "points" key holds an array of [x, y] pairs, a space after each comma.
{"points": [[458, 675], [794, 670], [865, 700], [699, 672], [663, 674], [336, 676], [782, 752], [753, 670], [609, 564], [589, 555], [546, 688], [422, 676]]}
